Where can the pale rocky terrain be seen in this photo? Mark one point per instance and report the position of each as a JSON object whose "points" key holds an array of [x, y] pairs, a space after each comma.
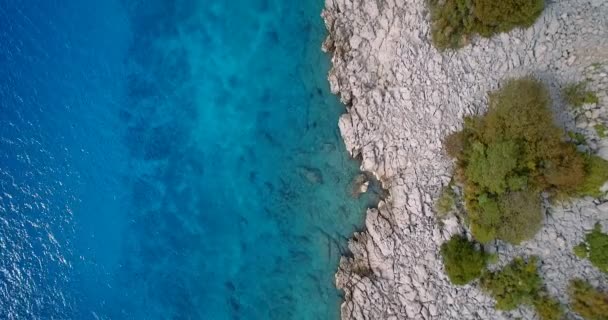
{"points": [[403, 97]]}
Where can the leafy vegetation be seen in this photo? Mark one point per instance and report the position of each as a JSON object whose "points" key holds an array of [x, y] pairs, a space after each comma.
{"points": [[577, 95], [454, 22], [463, 262], [577, 137], [581, 251], [596, 174], [588, 302], [507, 157], [446, 201], [598, 248], [548, 308], [519, 283], [492, 258], [601, 130], [595, 248]]}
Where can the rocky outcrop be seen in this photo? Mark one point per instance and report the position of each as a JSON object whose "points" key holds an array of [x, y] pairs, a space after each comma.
{"points": [[403, 97]]}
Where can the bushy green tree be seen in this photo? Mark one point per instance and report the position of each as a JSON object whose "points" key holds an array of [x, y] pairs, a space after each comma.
{"points": [[507, 157], [588, 302], [489, 166], [462, 261], [485, 219], [513, 217], [455, 21], [521, 215], [505, 15], [452, 22], [517, 283]]}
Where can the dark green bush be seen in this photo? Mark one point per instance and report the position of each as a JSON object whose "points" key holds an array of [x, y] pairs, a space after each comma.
{"points": [[595, 248], [588, 302], [507, 157], [462, 261], [454, 22], [577, 95], [517, 283]]}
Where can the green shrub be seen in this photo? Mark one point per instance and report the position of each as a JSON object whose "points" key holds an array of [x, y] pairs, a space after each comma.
{"points": [[581, 251], [522, 216], [446, 201], [577, 95], [548, 308], [505, 15], [596, 248], [492, 258], [507, 157], [587, 301], [489, 166], [454, 22], [577, 137], [514, 217], [517, 283], [462, 261], [601, 130], [454, 144], [564, 170], [596, 174]]}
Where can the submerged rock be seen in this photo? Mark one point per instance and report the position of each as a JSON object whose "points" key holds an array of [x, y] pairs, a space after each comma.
{"points": [[312, 175]]}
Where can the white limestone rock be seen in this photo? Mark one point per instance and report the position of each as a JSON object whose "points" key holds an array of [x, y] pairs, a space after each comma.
{"points": [[403, 97]]}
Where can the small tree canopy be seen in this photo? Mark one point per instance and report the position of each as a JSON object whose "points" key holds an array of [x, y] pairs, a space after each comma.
{"points": [[462, 261], [508, 156], [517, 283], [455, 21]]}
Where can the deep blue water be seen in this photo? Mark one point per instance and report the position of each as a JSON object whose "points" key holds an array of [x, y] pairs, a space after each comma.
{"points": [[169, 159]]}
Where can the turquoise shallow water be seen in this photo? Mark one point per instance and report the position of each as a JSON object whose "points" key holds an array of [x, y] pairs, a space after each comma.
{"points": [[171, 160]]}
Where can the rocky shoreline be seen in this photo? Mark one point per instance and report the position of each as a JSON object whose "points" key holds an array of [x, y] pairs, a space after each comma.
{"points": [[403, 97]]}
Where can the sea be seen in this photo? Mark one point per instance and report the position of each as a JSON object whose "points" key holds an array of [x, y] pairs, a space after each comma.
{"points": [[170, 159]]}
